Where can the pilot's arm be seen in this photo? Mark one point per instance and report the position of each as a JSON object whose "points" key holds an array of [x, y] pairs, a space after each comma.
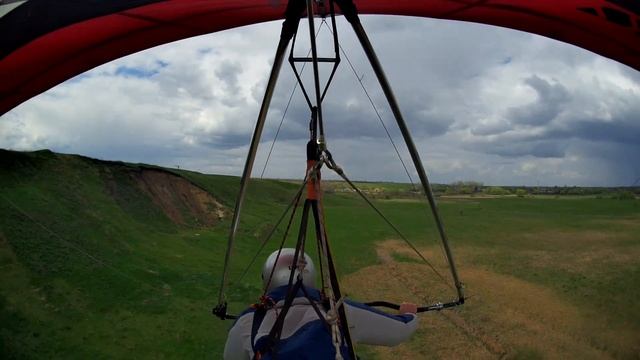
{"points": [[238, 346], [370, 326]]}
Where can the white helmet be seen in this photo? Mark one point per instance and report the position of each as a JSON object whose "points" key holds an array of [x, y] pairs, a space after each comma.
{"points": [[282, 269]]}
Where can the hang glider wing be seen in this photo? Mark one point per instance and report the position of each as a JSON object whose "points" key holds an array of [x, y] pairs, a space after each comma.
{"points": [[45, 42]]}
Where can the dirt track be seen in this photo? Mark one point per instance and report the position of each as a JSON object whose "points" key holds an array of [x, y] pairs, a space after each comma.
{"points": [[505, 317]]}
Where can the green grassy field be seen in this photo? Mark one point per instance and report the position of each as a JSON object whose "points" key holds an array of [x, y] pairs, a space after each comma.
{"points": [[93, 267]]}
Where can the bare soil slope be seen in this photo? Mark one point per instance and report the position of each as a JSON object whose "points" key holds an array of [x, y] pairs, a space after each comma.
{"points": [[175, 195], [180, 200]]}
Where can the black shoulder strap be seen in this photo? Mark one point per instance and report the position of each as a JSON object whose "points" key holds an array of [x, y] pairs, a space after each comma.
{"points": [[258, 316]]}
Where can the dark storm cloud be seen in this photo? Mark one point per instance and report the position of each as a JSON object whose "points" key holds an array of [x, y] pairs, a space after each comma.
{"points": [[550, 102], [558, 121], [610, 132], [619, 162], [429, 123], [344, 120], [517, 143], [611, 117], [520, 146], [616, 131]]}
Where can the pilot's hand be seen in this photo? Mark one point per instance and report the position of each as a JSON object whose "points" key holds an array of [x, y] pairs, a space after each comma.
{"points": [[408, 308]]}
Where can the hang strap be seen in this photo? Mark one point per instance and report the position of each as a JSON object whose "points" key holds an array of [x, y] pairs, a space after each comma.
{"points": [[258, 317]]}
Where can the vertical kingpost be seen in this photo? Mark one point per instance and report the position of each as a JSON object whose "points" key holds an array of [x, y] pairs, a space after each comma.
{"points": [[316, 71]]}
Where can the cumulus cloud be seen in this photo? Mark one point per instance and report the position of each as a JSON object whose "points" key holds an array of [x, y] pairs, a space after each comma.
{"points": [[483, 103], [551, 100]]}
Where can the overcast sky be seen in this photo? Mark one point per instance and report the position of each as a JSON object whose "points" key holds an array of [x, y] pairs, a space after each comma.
{"points": [[484, 104]]}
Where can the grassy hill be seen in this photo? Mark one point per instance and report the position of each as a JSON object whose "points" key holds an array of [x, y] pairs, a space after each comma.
{"points": [[113, 260], [109, 259]]}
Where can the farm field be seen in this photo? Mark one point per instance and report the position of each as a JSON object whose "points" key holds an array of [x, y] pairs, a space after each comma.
{"points": [[112, 260]]}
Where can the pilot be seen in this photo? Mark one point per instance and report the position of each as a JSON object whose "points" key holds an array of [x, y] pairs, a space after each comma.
{"points": [[307, 331]]}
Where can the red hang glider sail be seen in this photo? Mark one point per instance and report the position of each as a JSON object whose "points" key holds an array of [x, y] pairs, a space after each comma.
{"points": [[45, 42]]}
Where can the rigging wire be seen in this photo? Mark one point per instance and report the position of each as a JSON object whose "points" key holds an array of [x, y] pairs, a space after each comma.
{"points": [[388, 134], [411, 146], [386, 130], [355, 73], [293, 204], [295, 87], [79, 249], [284, 114], [340, 173], [323, 245]]}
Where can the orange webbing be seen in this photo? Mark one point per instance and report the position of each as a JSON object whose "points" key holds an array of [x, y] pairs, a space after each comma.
{"points": [[313, 186]]}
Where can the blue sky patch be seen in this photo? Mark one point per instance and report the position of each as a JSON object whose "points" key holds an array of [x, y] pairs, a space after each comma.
{"points": [[138, 72]]}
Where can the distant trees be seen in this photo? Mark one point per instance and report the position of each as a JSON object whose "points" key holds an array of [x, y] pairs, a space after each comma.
{"points": [[624, 195], [521, 192], [501, 191], [464, 187], [475, 187], [496, 190]]}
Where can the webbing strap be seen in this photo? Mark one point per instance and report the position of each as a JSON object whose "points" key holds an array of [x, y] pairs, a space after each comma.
{"points": [[276, 330], [333, 278], [313, 156], [258, 317]]}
